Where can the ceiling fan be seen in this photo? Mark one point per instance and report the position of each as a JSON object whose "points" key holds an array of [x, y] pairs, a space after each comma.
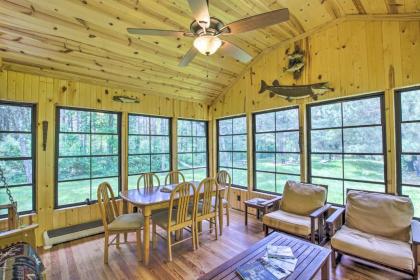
{"points": [[207, 30]]}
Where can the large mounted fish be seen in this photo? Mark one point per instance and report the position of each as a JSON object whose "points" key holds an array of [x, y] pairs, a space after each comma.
{"points": [[295, 91], [125, 99]]}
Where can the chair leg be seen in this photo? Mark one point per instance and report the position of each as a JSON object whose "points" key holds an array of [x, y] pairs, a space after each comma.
{"points": [[154, 237], [215, 225], [266, 230], [227, 215], [138, 233], [416, 267], [211, 225], [106, 245], [197, 242], [169, 246], [193, 236], [117, 241]]}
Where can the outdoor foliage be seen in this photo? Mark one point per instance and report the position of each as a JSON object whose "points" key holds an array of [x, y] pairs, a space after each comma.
{"points": [[347, 146], [232, 147], [88, 154], [148, 147], [192, 149], [277, 149], [16, 154]]}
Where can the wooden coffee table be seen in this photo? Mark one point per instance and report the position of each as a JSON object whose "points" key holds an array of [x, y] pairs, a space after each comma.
{"points": [[311, 258]]}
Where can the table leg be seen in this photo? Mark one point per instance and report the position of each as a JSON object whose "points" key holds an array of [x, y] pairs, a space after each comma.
{"points": [[258, 214], [146, 235], [325, 269], [246, 214]]}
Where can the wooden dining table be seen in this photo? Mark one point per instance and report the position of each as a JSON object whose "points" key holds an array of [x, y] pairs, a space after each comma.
{"points": [[149, 200]]}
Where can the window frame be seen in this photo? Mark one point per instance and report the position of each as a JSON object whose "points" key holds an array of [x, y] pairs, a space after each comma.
{"points": [[254, 153], [398, 138], [150, 135], [381, 96], [231, 135], [192, 152], [33, 157], [56, 156]]}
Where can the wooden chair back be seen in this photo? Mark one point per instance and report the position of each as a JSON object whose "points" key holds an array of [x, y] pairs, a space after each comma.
{"points": [[207, 192], [174, 177], [223, 178], [107, 204], [182, 196], [149, 181]]}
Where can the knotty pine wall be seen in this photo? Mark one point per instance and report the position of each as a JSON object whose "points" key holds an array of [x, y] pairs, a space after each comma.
{"points": [[355, 56], [47, 93]]}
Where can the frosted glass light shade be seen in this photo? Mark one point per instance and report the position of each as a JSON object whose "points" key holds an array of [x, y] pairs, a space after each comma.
{"points": [[207, 45]]}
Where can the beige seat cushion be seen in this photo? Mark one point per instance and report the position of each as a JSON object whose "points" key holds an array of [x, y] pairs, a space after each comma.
{"points": [[131, 221], [289, 222], [302, 199], [161, 218], [379, 249], [380, 214]]}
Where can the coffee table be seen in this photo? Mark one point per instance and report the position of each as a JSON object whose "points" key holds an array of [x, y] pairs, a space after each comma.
{"points": [[311, 258]]}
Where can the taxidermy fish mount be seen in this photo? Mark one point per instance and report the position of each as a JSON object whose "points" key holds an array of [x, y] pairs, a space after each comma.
{"points": [[295, 91], [296, 63], [125, 99]]}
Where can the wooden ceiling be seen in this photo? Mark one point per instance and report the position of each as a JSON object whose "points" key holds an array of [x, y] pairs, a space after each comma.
{"points": [[87, 39]]}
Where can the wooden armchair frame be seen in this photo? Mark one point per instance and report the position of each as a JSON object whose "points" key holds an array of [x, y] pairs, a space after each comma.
{"points": [[148, 181], [319, 215], [338, 217], [223, 178]]}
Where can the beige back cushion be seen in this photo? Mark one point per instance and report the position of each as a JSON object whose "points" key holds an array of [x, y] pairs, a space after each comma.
{"points": [[302, 199], [380, 214]]}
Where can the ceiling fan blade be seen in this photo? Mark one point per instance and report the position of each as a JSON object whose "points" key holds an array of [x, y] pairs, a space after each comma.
{"points": [[188, 57], [235, 52], [255, 22], [155, 32], [200, 11]]}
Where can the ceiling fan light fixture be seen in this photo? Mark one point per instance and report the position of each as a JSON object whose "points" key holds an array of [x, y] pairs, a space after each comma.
{"points": [[207, 44]]}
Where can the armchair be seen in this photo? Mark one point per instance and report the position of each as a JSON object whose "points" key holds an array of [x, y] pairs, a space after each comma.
{"points": [[378, 228], [302, 212]]}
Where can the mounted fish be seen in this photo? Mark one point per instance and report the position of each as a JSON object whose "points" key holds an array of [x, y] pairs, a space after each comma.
{"points": [[296, 63], [295, 91], [125, 99]]}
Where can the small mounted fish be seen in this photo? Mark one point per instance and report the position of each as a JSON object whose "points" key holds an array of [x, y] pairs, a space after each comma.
{"points": [[296, 63], [295, 91], [125, 99]]}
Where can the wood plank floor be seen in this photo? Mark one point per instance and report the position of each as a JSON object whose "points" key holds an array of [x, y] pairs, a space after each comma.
{"points": [[83, 259]]}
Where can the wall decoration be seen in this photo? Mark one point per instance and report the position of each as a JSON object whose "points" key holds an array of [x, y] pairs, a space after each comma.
{"points": [[295, 91], [125, 99], [296, 63]]}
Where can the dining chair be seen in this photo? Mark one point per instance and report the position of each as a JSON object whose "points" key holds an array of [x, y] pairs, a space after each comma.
{"points": [[149, 180], [223, 178], [206, 210], [117, 224], [174, 177], [178, 218]]}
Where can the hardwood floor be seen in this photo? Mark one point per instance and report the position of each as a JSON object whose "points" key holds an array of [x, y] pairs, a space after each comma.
{"points": [[83, 259]]}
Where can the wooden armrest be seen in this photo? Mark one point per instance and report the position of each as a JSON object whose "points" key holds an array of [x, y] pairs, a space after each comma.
{"points": [[318, 212], [334, 216], [273, 200], [415, 229], [24, 234]]}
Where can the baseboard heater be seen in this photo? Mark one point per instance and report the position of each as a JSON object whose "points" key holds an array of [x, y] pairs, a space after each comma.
{"points": [[60, 235]]}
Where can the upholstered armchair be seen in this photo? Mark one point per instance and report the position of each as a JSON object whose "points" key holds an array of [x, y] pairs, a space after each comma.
{"points": [[302, 212], [376, 227]]}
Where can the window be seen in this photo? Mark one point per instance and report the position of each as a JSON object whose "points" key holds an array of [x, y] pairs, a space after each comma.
{"points": [[232, 147], [276, 149], [408, 145], [346, 145], [192, 149], [88, 153], [17, 154], [149, 147]]}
